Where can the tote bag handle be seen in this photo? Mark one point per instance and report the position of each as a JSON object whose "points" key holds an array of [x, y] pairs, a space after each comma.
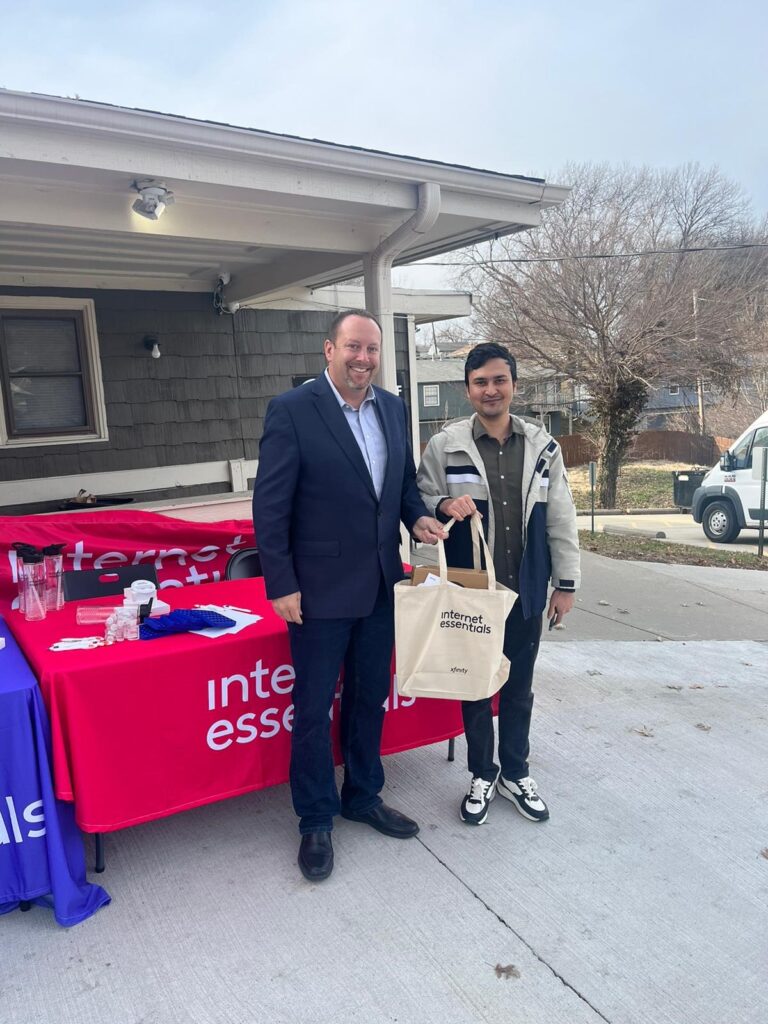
{"points": [[478, 540]]}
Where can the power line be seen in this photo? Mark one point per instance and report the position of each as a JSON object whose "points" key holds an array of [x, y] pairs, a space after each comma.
{"points": [[597, 256]]}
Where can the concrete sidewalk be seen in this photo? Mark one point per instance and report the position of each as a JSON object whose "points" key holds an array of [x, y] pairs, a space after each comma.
{"points": [[650, 600], [642, 900]]}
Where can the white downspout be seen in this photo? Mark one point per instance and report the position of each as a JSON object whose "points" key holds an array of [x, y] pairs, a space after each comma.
{"points": [[377, 266]]}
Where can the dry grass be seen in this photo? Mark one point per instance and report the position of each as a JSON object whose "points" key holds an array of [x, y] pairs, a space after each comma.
{"points": [[642, 549], [641, 485]]}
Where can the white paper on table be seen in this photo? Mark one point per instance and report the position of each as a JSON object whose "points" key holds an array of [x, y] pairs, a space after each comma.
{"points": [[242, 619], [430, 580]]}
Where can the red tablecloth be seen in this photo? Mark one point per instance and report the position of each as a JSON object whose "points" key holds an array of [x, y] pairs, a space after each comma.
{"points": [[143, 729]]}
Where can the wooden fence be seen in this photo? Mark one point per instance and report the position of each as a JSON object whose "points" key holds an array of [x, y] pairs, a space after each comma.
{"points": [[666, 445]]}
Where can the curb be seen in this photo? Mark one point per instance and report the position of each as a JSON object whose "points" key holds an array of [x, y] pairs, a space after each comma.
{"points": [[632, 531], [634, 512]]}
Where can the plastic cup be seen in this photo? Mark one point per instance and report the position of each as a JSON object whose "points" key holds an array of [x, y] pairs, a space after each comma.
{"points": [[86, 615]]}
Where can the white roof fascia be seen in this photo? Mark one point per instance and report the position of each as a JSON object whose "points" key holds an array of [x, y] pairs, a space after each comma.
{"points": [[102, 122], [320, 207]]}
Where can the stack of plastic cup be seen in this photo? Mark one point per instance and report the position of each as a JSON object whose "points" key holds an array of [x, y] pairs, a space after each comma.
{"points": [[87, 614]]}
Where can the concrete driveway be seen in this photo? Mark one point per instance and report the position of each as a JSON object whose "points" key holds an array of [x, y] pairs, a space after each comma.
{"points": [[642, 901]]}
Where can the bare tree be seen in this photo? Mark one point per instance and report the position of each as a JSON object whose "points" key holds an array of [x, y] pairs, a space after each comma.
{"points": [[616, 322]]}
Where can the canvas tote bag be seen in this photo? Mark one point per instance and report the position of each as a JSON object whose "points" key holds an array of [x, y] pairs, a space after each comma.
{"points": [[449, 640]]}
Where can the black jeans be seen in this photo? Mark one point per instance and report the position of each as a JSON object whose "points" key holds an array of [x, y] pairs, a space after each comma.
{"points": [[521, 646], [319, 647]]}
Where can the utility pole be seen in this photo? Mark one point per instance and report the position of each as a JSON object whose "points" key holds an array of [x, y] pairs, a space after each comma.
{"points": [[699, 381]]}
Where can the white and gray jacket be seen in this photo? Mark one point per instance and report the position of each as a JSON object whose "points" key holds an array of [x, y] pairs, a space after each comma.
{"points": [[452, 466]]}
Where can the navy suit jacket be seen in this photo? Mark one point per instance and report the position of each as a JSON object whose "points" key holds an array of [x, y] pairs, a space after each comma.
{"points": [[320, 528]]}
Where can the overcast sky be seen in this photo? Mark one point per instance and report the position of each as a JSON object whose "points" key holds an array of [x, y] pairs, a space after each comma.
{"points": [[513, 86]]}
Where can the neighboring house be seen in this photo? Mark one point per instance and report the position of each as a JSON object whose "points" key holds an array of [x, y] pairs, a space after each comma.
{"points": [[672, 401], [540, 395], [139, 348], [442, 395]]}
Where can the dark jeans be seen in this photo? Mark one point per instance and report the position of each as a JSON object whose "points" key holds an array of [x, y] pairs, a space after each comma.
{"points": [[521, 646], [319, 647]]}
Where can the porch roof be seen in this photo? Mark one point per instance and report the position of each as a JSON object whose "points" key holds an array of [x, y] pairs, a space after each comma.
{"points": [[273, 211]]}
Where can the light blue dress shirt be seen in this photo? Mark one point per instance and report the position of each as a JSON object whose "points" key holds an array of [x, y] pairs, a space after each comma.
{"points": [[366, 430]]}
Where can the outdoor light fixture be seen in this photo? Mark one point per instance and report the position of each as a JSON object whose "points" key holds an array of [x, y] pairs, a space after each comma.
{"points": [[153, 198], [151, 345]]}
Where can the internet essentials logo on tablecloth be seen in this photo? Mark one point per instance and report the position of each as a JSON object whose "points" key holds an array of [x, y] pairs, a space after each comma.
{"points": [[255, 689], [20, 817]]}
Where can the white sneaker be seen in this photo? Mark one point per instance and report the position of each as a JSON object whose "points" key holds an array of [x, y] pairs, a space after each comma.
{"points": [[522, 793], [474, 806]]}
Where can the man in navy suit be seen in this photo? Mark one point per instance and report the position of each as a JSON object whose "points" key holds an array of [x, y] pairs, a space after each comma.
{"points": [[335, 478]]}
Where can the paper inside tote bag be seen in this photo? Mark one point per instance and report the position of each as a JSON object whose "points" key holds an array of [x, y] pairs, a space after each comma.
{"points": [[449, 640]]}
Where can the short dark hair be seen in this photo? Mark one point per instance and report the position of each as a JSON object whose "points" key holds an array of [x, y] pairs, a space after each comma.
{"points": [[482, 354], [339, 319]]}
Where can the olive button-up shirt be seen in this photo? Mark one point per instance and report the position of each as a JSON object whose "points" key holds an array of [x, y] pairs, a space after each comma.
{"points": [[504, 468]]}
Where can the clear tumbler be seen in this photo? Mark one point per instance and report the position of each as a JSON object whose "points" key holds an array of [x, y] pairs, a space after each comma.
{"points": [[34, 588], [54, 565]]}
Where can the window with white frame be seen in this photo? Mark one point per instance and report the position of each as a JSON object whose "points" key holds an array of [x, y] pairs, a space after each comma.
{"points": [[674, 389], [431, 395], [50, 374]]}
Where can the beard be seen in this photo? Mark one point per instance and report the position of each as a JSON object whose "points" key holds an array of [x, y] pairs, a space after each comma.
{"points": [[358, 380]]}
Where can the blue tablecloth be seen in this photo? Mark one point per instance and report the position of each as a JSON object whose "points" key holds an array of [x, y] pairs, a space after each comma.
{"points": [[41, 849]]}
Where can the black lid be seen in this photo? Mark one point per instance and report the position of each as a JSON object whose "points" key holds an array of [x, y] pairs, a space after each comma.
{"points": [[25, 550], [33, 557], [53, 549]]}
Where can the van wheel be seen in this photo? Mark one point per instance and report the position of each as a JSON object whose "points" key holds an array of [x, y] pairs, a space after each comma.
{"points": [[719, 522]]}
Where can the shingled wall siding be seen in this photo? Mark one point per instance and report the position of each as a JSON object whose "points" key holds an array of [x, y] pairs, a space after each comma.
{"points": [[204, 400]]}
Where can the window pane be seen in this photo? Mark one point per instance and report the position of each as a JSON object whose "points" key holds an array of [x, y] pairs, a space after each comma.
{"points": [[48, 403], [431, 395], [44, 344], [740, 453]]}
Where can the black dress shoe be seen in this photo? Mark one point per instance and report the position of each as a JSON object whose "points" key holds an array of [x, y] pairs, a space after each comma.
{"points": [[387, 820], [316, 856]]}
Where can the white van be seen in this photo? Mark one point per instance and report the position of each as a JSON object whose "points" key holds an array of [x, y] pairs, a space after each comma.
{"points": [[728, 500]]}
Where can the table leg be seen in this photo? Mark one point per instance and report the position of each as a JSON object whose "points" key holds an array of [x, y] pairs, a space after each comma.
{"points": [[451, 747], [98, 836]]}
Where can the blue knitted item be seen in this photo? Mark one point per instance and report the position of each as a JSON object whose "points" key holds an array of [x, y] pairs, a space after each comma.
{"points": [[183, 620]]}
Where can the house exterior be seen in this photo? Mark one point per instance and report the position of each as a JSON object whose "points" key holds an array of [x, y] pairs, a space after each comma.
{"points": [[441, 395], [138, 355], [541, 395], [672, 401]]}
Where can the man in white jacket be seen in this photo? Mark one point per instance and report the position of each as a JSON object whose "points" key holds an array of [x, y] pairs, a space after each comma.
{"points": [[512, 472]]}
